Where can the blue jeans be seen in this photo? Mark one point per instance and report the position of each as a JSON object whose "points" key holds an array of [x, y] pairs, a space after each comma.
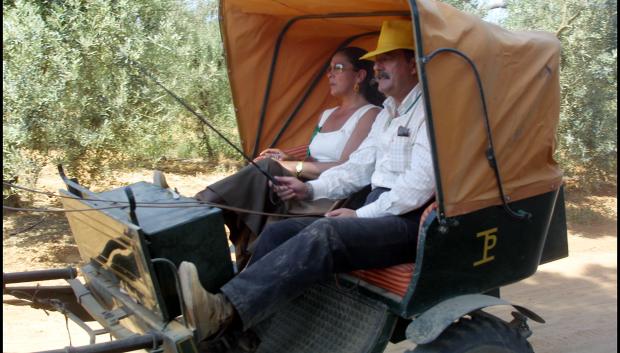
{"points": [[293, 254]]}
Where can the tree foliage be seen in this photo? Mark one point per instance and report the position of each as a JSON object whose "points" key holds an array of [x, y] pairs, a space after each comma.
{"points": [[70, 95], [588, 32], [472, 6]]}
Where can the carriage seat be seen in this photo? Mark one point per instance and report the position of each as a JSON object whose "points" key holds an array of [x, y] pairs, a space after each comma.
{"points": [[394, 279]]}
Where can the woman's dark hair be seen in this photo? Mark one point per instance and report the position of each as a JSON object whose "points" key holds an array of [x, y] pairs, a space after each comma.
{"points": [[368, 87]]}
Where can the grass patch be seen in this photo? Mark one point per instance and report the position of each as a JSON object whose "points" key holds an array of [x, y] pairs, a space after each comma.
{"points": [[587, 208], [583, 215]]}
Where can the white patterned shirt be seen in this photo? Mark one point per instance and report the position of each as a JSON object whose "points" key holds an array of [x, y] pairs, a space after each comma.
{"points": [[401, 163]]}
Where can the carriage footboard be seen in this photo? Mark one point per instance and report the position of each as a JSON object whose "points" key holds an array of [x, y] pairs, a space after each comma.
{"points": [[327, 319]]}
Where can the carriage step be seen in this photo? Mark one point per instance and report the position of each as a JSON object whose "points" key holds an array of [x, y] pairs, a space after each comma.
{"points": [[327, 319]]}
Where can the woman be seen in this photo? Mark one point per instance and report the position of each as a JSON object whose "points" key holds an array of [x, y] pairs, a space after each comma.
{"points": [[339, 132]]}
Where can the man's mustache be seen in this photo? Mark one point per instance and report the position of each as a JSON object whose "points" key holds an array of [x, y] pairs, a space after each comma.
{"points": [[379, 75]]}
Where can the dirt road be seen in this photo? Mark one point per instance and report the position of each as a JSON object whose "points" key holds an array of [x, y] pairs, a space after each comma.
{"points": [[577, 296]]}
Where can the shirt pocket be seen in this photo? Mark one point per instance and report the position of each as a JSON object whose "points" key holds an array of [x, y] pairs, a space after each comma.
{"points": [[399, 157]]}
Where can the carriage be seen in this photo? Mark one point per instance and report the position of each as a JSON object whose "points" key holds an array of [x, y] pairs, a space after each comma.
{"points": [[492, 107]]}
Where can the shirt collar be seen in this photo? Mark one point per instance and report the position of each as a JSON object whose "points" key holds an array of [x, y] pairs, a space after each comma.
{"points": [[406, 104]]}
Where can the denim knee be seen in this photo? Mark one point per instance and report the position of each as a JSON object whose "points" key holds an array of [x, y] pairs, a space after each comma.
{"points": [[322, 231], [274, 235]]}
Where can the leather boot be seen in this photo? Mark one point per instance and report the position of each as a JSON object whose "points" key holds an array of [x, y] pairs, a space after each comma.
{"points": [[206, 312]]}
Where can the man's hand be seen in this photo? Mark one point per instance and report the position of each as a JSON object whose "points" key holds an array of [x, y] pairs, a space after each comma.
{"points": [[289, 188], [341, 213]]}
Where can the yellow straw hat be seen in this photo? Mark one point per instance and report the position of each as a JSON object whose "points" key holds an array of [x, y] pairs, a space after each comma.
{"points": [[397, 34]]}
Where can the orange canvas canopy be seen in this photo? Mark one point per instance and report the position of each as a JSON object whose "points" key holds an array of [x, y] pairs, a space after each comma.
{"points": [[277, 51]]}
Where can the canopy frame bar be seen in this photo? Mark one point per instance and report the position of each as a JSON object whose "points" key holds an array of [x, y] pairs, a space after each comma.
{"points": [[430, 127], [276, 53], [490, 152], [422, 61]]}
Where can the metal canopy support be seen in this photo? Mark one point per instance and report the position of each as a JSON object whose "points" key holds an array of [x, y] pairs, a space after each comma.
{"points": [[274, 62], [430, 127]]}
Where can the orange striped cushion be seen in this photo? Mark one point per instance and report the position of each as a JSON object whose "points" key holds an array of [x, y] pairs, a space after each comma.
{"points": [[394, 279]]}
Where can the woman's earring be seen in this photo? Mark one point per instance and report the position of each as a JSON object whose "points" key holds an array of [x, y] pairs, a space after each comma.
{"points": [[356, 88]]}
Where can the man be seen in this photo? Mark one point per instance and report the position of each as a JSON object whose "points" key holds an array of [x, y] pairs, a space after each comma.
{"points": [[293, 254]]}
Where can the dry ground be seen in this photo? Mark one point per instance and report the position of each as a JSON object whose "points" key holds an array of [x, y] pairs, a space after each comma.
{"points": [[576, 295]]}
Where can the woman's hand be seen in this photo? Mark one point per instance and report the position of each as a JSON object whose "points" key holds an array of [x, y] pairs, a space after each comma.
{"points": [[274, 153], [289, 188]]}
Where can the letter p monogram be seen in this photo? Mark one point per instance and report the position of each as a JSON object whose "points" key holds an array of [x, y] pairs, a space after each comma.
{"points": [[490, 240]]}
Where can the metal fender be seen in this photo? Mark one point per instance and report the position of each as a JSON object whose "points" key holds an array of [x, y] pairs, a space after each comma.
{"points": [[428, 326]]}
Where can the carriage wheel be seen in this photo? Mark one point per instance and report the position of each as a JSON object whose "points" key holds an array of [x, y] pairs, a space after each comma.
{"points": [[478, 334]]}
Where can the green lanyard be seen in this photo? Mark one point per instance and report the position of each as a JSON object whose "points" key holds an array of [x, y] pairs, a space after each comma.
{"points": [[387, 123], [413, 104], [317, 129]]}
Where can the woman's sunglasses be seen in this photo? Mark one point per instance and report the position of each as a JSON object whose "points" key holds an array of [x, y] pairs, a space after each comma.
{"points": [[336, 69]]}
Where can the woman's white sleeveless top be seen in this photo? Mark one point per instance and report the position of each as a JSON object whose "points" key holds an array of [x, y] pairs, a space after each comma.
{"points": [[328, 146]]}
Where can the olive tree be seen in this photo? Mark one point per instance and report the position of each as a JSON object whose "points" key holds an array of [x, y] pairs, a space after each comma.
{"points": [[70, 94], [588, 32]]}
